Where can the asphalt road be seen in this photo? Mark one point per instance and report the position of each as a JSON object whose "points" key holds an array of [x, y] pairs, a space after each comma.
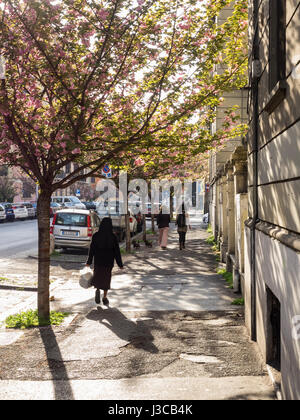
{"points": [[18, 239]]}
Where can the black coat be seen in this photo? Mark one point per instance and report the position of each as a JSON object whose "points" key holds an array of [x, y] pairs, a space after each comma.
{"points": [[163, 220], [104, 257]]}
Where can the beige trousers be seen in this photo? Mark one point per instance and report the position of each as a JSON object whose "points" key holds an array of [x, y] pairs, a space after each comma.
{"points": [[163, 236]]}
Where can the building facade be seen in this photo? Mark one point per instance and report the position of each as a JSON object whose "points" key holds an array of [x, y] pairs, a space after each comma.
{"points": [[228, 183], [272, 230]]}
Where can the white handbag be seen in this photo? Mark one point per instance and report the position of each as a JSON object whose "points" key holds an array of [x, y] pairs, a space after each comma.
{"points": [[85, 278]]}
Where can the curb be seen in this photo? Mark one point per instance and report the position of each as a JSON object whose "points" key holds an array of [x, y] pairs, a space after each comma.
{"points": [[275, 385], [122, 246]]}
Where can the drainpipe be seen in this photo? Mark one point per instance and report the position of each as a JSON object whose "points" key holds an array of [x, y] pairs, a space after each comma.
{"points": [[254, 86]]}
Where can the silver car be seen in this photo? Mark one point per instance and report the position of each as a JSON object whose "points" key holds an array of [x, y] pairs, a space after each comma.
{"points": [[2, 214], [74, 228], [69, 201], [29, 207], [114, 211]]}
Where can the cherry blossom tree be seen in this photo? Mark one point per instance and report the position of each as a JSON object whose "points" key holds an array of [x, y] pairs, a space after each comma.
{"points": [[87, 81]]}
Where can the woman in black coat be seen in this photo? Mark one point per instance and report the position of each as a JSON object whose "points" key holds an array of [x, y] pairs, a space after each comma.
{"points": [[104, 250]]}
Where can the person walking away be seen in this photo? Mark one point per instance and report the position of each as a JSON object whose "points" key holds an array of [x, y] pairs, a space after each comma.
{"points": [[163, 223], [104, 250], [182, 222]]}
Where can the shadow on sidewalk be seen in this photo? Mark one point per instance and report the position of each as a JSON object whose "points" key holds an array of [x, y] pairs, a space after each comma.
{"points": [[61, 384], [138, 334]]}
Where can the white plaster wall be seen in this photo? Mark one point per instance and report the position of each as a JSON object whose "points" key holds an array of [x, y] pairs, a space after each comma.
{"points": [[278, 267], [247, 284]]}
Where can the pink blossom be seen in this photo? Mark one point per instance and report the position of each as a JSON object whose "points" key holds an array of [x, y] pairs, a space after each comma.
{"points": [[139, 162]]}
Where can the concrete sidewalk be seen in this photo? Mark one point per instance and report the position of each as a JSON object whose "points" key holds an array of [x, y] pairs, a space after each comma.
{"points": [[170, 332]]}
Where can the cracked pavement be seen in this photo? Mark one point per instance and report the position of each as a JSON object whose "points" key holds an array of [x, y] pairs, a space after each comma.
{"points": [[170, 332]]}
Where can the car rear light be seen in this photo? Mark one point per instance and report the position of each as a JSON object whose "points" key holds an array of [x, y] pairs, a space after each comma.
{"points": [[53, 223], [130, 219], [90, 232]]}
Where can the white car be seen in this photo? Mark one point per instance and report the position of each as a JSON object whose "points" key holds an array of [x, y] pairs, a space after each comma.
{"points": [[2, 214], [20, 211], [132, 223], [205, 218], [74, 228], [69, 202]]}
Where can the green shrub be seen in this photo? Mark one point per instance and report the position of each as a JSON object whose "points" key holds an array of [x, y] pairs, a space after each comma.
{"points": [[211, 240], [227, 276], [239, 302], [30, 319]]}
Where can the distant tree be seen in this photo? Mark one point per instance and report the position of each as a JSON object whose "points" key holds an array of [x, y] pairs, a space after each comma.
{"points": [[3, 170], [29, 187], [7, 191]]}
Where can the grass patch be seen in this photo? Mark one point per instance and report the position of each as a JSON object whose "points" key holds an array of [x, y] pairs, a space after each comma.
{"points": [[150, 232], [211, 240], [209, 229], [227, 276], [239, 302], [55, 253], [214, 246], [30, 319], [3, 278]]}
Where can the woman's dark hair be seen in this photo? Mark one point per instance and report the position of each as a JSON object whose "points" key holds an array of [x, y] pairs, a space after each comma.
{"points": [[105, 235]]}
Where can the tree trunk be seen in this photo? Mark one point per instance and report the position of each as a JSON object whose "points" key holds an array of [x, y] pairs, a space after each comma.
{"points": [[144, 229], [43, 216], [153, 223], [128, 238], [171, 202]]}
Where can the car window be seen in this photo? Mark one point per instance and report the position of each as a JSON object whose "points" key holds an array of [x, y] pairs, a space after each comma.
{"points": [[57, 200], [71, 219], [95, 220], [102, 211], [1, 208], [74, 199], [67, 200]]}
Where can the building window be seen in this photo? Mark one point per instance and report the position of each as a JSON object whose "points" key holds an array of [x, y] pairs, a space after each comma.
{"points": [[277, 55], [273, 329]]}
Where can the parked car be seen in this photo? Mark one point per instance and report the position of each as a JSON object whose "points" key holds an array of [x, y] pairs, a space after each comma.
{"points": [[54, 208], [69, 201], [74, 228], [29, 207], [149, 209], [34, 205], [133, 223], [10, 215], [115, 211], [20, 211], [90, 205], [205, 218], [2, 214]]}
